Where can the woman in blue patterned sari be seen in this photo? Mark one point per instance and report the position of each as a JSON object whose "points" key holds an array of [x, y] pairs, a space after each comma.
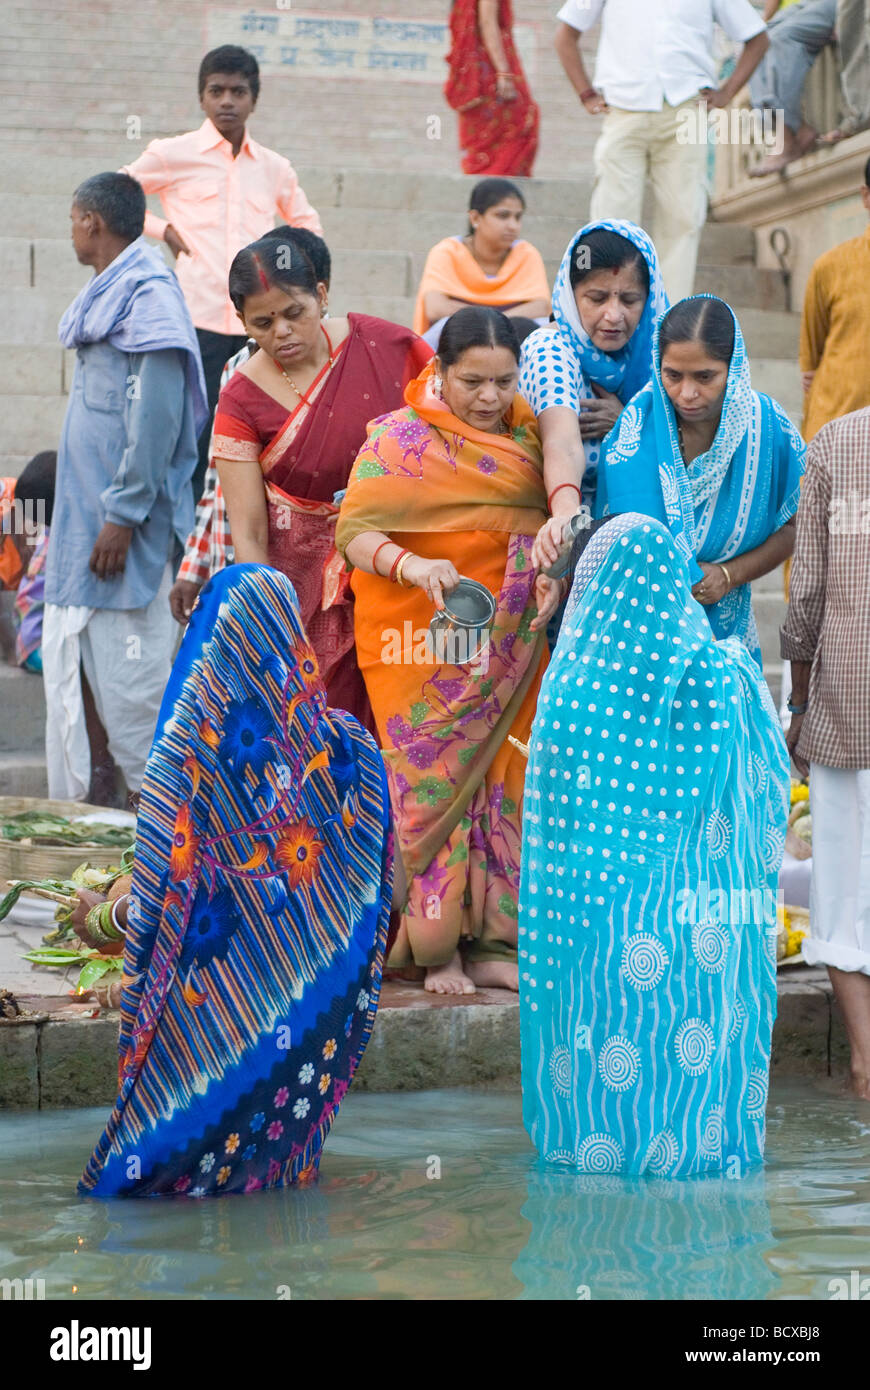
{"points": [[718, 463], [655, 815], [258, 911]]}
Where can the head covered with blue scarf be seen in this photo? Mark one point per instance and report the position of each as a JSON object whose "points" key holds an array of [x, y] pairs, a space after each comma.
{"points": [[624, 372], [655, 810], [729, 499], [259, 910], [136, 305]]}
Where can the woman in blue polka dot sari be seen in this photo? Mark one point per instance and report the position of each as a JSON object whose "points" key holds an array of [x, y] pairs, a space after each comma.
{"points": [[655, 814], [579, 371]]}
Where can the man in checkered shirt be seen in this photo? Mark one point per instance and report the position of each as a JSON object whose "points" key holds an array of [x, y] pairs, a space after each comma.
{"points": [[209, 546], [826, 637]]}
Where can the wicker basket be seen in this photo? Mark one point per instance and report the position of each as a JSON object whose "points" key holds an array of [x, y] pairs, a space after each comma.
{"points": [[50, 861]]}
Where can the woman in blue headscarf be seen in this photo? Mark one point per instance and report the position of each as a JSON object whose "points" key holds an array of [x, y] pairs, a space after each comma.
{"points": [[258, 912], [655, 815], [718, 463], [583, 368]]}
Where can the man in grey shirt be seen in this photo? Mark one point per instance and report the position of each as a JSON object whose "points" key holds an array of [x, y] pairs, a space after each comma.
{"points": [[124, 503]]}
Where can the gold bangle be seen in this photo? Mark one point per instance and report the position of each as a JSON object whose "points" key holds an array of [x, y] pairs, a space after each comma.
{"points": [[724, 569], [400, 567]]}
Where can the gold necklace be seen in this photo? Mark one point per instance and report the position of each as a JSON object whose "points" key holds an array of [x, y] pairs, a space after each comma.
{"points": [[328, 365]]}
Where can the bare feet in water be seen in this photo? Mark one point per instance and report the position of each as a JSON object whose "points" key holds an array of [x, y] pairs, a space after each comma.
{"points": [[494, 974], [449, 978]]}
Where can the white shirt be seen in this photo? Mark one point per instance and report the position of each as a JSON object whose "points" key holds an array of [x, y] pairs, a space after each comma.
{"points": [[653, 51]]}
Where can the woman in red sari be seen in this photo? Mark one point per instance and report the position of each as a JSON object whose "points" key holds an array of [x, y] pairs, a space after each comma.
{"points": [[288, 426], [498, 120]]}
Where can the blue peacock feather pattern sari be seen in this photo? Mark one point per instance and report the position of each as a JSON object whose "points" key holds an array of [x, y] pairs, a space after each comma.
{"points": [[727, 501], [655, 814], [258, 913]]}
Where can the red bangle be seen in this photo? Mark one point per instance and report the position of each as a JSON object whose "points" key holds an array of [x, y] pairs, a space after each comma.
{"points": [[396, 565], [559, 489], [377, 553], [590, 92]]}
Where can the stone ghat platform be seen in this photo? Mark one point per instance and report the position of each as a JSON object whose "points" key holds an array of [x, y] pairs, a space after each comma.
{"points": [[64, 1052]]}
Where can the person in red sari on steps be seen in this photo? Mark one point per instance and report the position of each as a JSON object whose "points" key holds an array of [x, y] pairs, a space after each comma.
{"points": [[498, 120], [288, 426]]}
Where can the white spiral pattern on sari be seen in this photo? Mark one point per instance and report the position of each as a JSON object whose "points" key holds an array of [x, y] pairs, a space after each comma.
{"points": [[600, 1153], [662, 1153], [710, 945], [756, 1094], [711, 1140], [644, 960], [560, 1070], [694, 1046], [618, 1063], [718, 834]]}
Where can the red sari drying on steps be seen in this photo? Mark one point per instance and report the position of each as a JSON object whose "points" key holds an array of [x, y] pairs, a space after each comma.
{"points": [[496, 137], [306, 458]]}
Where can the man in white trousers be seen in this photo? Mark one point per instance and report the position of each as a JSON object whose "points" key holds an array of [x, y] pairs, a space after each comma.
{"points": [[654, 66]]}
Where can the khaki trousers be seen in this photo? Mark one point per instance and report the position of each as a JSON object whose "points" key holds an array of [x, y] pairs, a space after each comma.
{"points": [[636, 145], [853, 32]]}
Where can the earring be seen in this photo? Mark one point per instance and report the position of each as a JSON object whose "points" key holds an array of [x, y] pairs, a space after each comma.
{"points": [[437, 385], [324, 309]]}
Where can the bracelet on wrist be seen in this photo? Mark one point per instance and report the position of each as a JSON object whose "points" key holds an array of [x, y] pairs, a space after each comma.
{"points": [[588, 94], [724, 568], [797, 709], [559, 489], [398, 560], [403, 558], [114, 928], [378, 550], [96, 922]]}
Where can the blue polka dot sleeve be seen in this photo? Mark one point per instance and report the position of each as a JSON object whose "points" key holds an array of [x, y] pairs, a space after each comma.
{"points": [[550, 373]]}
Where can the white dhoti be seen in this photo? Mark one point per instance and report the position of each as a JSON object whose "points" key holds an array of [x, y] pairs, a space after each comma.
{"points": [[840, 889], [126, 655]]}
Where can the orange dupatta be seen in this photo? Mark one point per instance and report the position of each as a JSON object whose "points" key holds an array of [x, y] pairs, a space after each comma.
{"points": [[451, 268]]}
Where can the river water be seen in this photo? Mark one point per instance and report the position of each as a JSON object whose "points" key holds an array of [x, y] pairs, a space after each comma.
{"points": [[439, 1195]]}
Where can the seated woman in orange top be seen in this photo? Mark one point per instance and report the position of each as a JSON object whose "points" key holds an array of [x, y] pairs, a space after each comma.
{"points": [[490, 265]]}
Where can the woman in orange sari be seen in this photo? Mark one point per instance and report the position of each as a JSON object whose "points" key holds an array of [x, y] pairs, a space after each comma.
{"points": [[490, 265], [452, 486], [498, 120], [288, 426]]}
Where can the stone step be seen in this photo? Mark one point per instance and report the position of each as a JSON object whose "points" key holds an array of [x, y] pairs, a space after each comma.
{"points": [[743, 286], [23, 774], [771, 333], [779, 377], [22, 700], [48, 266], [39, 370], [32, 423]]}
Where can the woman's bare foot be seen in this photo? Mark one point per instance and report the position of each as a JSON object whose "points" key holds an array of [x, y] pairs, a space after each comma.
{"points": [[494, 974], [449, 978]]}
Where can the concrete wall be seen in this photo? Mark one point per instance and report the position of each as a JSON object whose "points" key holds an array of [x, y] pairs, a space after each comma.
{"points": [[72, 74]]}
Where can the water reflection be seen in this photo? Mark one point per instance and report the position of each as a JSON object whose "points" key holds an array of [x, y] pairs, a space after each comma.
{"points": [[493, 1225], [621, 1238]]}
